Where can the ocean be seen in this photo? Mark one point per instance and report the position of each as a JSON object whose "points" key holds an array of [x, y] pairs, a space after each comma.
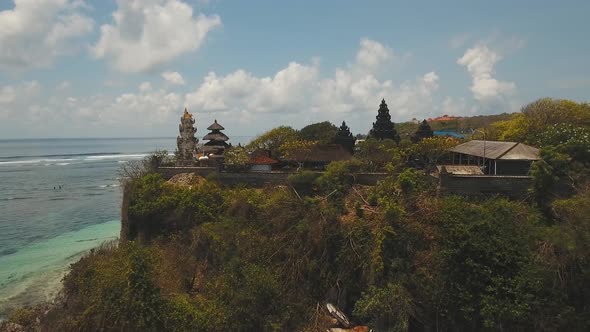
{"points": [[58, 199]]}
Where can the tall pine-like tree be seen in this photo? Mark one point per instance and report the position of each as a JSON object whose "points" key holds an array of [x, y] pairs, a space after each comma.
{"points": [[344, 138], [383, 128], [424, 131]]}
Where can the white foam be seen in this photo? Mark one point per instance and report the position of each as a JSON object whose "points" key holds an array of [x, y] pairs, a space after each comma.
{"points": [[47, 162], [18, 162], [121, 158], [116, 156]]}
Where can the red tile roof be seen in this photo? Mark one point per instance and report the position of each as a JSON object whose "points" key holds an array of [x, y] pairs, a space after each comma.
{"points": [[262, 160]]}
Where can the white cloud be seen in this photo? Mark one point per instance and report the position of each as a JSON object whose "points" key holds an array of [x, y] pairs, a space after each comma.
{"points": [[7, 95], [480, 61], [242, 90], [35, 32], [371, 54], [15, 99], [145, 87], [65, 85], [149, 33], [173, 77], [245, 103], [31, 113], [351, 93]]}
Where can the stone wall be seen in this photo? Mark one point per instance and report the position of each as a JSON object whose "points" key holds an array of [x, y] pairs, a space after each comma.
{"points": [[256, 178], [168, 172], [511, 186]]}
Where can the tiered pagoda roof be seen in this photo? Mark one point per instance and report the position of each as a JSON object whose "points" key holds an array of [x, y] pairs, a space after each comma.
{"points": [[217, 140]]}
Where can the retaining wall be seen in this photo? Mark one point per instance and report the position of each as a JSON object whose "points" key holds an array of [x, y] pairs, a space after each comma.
{"points": [[512, 186], [256, 178]]}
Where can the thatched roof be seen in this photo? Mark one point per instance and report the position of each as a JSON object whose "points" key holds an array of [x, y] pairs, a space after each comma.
{"points": [[498, 150], [324, 153], [262, 160], [215, 137], [215, 126]]}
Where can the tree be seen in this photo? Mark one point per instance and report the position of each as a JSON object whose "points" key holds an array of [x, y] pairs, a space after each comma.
{"points": [[429, 151], [273, 139], [539, 115], [297, 151], [135, 169], [567, 138], [424, 131], [322, 132], [383, 128], [236, 158], [375, 154], [344, 137]]}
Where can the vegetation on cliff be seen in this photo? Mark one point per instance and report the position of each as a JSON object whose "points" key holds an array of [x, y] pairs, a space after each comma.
{"points": [[397, 256]]}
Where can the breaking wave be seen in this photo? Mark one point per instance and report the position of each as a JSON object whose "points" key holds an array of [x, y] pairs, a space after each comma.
{"points": [[47, 160]]}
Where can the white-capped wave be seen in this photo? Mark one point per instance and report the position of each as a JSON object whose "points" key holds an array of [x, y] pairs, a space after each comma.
{"points": [[46, 162], [116, 156], [121, 158]]}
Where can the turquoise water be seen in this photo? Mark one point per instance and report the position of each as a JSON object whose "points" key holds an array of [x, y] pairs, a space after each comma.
{"points": [[58, 199]]}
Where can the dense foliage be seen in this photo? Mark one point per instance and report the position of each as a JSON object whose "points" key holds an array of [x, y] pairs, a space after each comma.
{"points": [[395, 256]]}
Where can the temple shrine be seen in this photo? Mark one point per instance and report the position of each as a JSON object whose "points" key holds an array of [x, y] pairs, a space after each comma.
{"points": [[217, 140], [186, 142]]}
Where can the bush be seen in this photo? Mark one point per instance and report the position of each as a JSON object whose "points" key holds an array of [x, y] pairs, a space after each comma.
{"points": [[24, 316], [303, 182]]}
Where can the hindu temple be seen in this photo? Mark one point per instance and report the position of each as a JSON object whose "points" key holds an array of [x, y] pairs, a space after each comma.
{"points": [[186, 142]]}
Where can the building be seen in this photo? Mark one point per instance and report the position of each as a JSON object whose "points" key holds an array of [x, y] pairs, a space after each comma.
{"points": [[217, 140], [495, 158], [444, 118], [488, 167], [448, 133], [261, 162], [320, 156], [186, 142]]}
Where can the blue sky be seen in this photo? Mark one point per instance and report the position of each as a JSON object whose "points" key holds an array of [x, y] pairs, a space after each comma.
{"points": [[127, 68]]}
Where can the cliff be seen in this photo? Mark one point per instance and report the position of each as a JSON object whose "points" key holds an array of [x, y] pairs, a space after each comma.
{"points": [[199, 255]]}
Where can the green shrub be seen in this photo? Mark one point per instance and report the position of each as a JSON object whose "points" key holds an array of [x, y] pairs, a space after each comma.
{"points": [[303, 181], [24, 316]]}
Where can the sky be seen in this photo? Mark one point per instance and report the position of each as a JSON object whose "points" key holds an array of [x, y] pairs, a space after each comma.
{"points": [[128, 68]]}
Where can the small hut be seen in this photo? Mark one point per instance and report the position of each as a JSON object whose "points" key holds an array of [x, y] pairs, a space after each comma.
{"points": [[494, 157]]}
